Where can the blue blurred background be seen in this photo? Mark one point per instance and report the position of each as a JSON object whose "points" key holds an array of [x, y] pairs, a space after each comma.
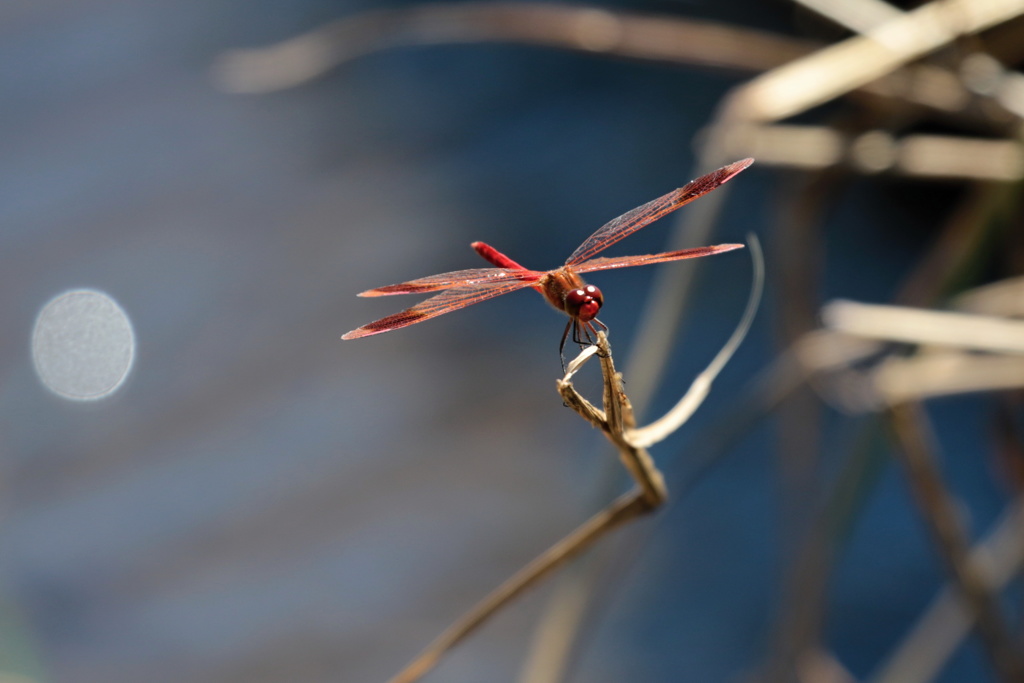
{"points": [[263, 502]]}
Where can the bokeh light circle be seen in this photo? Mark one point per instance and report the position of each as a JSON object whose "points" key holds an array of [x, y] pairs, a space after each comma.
{"points": [[83, 345]]}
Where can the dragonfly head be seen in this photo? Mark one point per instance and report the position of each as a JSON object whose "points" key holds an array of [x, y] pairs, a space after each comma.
{"points": [[584, 303]]}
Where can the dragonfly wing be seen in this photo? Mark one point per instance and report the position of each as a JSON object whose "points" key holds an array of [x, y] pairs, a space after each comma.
{"points": [[647, 259], [457, 278], [630, 222], [445, 302]]}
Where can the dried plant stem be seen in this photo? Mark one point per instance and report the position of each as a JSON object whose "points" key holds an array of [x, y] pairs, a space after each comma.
{"points": [[678, 415], [910, 427], [921, 656], [920, 326], [593, 30], [590, 29], [627, 507], [855, 62], [614, 420], [658, 329], [617, 423]]}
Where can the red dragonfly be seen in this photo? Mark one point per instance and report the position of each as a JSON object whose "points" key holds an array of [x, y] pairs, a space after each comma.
{"points": [[562, 287]]}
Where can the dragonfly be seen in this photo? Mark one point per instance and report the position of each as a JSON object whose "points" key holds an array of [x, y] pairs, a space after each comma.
{"points": [[562, 287]]}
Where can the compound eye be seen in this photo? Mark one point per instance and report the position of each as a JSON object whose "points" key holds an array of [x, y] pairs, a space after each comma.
{"points": [[584, 303]]}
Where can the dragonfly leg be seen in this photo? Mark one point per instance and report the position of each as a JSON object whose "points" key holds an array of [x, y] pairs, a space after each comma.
{"points": [[577, 324], [589, 331], [561, 344], [594, 329]]}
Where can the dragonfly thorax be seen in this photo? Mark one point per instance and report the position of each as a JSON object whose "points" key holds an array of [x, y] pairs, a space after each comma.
{"points": [[584, 303]]}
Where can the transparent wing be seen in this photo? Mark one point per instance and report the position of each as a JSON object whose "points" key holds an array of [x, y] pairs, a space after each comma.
{"points": [[647, 259], [630, 222], [446, 302], [457, 278]]}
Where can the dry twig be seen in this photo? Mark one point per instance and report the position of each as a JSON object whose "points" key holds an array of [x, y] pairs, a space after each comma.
{"points": [[615, 420], [946, 623], [915, 450]]}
